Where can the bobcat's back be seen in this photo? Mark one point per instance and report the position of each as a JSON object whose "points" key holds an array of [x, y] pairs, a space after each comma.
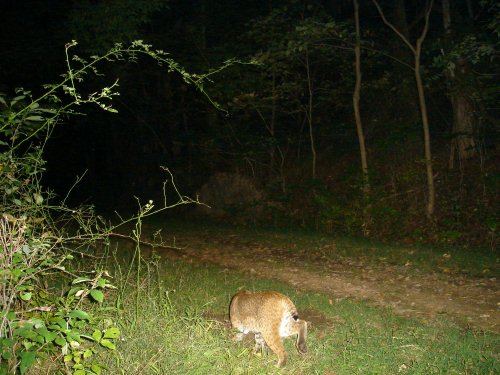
{"points": [[271, 316]]}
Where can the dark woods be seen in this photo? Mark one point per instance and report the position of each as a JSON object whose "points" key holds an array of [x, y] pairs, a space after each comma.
{"points": [[386, 127]]}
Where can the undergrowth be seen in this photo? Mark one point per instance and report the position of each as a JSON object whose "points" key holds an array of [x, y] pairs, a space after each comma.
{"points": [[477, 262], [45, 298], [182, 328]]}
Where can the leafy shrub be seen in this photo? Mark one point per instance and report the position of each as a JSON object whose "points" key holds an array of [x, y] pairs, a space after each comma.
{"points": [[231, 195], [45, 304], [387, 216], [37, 320]]}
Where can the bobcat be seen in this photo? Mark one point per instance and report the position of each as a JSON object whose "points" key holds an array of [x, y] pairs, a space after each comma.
{"points": [[270, 316]]}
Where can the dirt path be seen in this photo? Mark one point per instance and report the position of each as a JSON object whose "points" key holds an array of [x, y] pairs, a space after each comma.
{"points": [[466, 300]]}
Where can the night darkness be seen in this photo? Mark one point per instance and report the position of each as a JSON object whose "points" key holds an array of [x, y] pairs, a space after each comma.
{"points": [[319, 171], [305, 81]]}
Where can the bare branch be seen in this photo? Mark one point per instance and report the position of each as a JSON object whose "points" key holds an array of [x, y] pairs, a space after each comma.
{"points": [[141, 242], [420, 40], [393, 28]]}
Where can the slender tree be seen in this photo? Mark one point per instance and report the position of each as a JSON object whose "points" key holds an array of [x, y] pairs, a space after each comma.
{"points": [[357, 115], [309, 109], [417, 53]]}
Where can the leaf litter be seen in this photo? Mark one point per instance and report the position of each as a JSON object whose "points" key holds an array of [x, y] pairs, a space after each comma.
{"points": [[469, 301]]}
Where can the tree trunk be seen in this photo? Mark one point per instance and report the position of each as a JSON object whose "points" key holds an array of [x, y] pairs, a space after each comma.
{"points": [[271, 128], [463, 143], [431, 192], [272, 125], [405, 97], [427, 138], [309, 113], [417, 51], [357, 117], [355, 100]]}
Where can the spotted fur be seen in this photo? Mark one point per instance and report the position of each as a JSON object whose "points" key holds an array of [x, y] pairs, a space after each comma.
{"points": [[271, 316]]}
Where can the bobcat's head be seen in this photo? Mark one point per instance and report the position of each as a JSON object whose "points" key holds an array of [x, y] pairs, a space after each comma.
{"points": [[300, 327]]}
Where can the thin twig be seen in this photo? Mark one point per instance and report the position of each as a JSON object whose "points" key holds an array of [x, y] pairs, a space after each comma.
{"points": [[141, 242]]}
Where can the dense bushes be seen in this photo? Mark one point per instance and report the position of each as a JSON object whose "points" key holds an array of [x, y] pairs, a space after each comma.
{"points": [[465, 215], [50, 305], [45, 300]]}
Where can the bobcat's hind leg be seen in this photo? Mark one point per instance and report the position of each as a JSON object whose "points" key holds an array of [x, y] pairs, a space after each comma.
{"points": [[238, 336], [276, 345], [260, 344]]}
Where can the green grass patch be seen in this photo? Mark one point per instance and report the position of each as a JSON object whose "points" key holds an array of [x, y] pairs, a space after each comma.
{"points": [[180, 327], [442, 259]]}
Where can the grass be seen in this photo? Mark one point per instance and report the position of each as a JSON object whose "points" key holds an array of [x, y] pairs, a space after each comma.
{"points": [[440, 259], [179, 328]]}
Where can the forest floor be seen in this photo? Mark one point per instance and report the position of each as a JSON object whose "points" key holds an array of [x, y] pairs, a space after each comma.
{"points": [[470, 301]]}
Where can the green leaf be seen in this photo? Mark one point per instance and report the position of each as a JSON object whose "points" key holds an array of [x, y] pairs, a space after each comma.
{"points": [[79, 314], [16, 99], [47, 110], [60, 341], [26, 332], [27, 359], [112, 333], [17, 258], [34, 118], [59, 321], [50, 336], [80, 280], [37, 323], [97, 335], [73, 291], [79, 372], [107, 344], [26, 296], [73, 336], [7, 355], [39, 339], [87, 354], [42, 331], [96, 368], [38, 198], [16, 273], [97, 295], [6, 343], [101, 283], [27, 250]]}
